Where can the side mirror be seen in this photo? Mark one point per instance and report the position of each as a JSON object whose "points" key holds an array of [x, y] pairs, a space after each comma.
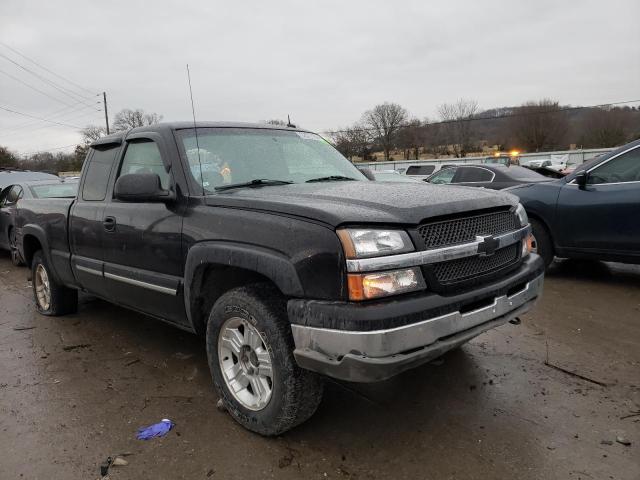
{"points": [[368, 173], [141, 187], [581, 180]]}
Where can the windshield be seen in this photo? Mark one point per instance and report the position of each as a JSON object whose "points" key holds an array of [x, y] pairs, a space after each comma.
{"points": [[55, 190], [230, 156]]}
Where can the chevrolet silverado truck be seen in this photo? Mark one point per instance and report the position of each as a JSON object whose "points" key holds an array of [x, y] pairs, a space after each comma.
{"points": [[283, 255]]}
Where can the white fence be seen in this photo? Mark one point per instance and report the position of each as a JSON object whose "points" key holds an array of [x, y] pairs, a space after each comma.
{"points": [[576, 157]]}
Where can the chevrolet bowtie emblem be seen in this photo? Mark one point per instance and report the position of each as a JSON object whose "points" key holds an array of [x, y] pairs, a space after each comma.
{"points": [[487, 245]]}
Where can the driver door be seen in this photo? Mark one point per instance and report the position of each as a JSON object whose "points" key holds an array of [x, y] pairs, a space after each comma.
{"points": [[604, 217]]}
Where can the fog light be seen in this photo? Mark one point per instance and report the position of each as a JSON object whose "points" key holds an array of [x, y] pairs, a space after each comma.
{"points": [[383, 284]]}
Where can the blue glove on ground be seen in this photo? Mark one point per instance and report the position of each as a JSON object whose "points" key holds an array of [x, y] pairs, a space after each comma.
{"points": [[155, 430]]}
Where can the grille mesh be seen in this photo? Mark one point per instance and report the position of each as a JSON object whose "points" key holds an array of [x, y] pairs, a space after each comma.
{"points": [[462, 230], [464, 268]]}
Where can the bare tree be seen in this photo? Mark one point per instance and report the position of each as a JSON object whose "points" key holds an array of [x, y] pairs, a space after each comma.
{"points": [[410, 138], [457, 124], [7, 158], [605, 128], [539, 126], [91, 133], [353, 141], [127, 119], [385, 120], [434, 138], [276, 121]]}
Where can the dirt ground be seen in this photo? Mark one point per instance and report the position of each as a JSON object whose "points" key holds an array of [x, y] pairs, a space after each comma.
{"points": [[74, 390]]}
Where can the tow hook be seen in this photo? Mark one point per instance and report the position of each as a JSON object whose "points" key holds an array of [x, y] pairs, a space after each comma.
{"points": [[515, 321]]}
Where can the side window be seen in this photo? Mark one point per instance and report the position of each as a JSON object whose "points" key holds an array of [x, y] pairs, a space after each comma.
{"points": [[473, 174], [143, 156], [443, 176], [97, 176], [622, 169], [14, 195]]}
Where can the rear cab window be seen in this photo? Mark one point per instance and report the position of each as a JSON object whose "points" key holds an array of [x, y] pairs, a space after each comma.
{"points": [[96, 178]]}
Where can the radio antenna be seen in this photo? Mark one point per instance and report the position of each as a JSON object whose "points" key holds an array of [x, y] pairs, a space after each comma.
{"points": [[195, 128]]}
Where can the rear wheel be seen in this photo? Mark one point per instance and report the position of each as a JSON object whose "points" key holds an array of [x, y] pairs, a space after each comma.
{"points": [[16, 259], [51, 297], [541, 243], [250, 353]]}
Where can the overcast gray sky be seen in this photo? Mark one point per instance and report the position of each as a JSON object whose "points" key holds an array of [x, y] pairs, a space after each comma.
{"points": [[324, 63]]}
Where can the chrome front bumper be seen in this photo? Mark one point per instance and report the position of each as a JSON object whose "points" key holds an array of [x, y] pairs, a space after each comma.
{"points": [[365, 356]]}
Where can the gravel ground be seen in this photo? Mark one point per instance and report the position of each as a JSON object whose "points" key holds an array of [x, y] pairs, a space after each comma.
{"points": [[545, 399]]}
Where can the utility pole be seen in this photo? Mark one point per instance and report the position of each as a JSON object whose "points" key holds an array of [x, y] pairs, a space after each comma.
{"points": [[106, 113]]}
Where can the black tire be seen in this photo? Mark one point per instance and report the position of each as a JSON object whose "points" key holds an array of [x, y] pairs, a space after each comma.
{"points": [[62, 300], [543, 242], [16, 259], [296, 393]]}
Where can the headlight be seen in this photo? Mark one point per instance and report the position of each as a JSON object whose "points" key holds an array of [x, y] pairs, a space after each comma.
{"points": [[363, 243], [382, 284], [521, 213]]}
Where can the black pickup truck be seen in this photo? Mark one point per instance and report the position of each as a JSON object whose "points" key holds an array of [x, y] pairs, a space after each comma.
{"points": [[285, 257]]}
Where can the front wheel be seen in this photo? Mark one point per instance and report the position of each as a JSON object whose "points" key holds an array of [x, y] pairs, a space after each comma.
{"points": [[52, 298], [541, 242], [250, 353]]}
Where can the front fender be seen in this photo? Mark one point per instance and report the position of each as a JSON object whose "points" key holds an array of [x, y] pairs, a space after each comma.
{"points": [[266, 262]]}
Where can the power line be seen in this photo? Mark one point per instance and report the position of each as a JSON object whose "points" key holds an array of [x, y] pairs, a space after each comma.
{"points": [[496, 117], [29, 131], [34, 88], [49, 149], [46, 69], [55, 114], [61, 89], [38, 118]]}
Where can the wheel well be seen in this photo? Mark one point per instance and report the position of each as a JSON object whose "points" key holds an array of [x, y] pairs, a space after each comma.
{"points": [[210, 282], [30, 245], [535, 217]]}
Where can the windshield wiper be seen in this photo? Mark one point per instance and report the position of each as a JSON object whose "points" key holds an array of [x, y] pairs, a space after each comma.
{"points": [[256, 182], [331, 178]]}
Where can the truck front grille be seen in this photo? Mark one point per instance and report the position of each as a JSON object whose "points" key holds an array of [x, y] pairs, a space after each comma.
{"points": [[467, 268], [462, 272], [463, 230]]}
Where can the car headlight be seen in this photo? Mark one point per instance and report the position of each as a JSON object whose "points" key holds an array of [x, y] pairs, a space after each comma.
{"points": [[383, 284], [521, 213], [364, 243]]}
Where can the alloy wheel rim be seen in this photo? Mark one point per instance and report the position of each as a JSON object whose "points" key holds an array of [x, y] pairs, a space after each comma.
{"points": [[245, 363], [13, 247], [43, 288]]}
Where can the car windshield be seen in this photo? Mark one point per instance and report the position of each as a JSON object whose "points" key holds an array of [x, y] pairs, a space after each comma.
{"points": [[55, 190], [230, 156]]}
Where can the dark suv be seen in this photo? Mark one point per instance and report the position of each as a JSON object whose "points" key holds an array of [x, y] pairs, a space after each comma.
{"points": [[593, 213]]}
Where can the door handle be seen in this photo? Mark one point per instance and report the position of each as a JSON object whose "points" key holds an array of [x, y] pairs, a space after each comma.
{"points": [[109, 224]]}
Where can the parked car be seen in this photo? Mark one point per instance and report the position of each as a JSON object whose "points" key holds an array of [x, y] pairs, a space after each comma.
{"points": [[283, 255], [502, 159], [592, 213], [9, 176], [495, 176], [392, 176], [420, 171], [9, 197]]}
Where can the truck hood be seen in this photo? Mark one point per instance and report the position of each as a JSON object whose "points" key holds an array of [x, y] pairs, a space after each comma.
{"points": [[337, 203]]}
